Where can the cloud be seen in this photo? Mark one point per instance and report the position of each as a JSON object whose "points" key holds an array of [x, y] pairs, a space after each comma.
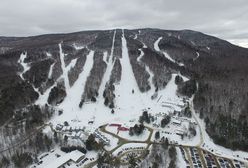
{"points": [[223, 18]]}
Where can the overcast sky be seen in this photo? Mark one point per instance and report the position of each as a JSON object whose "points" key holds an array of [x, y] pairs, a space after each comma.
{"points": [[226, 19]]}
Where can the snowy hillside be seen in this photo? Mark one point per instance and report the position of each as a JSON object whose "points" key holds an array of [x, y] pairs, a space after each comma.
{"points": [[120, 93]]}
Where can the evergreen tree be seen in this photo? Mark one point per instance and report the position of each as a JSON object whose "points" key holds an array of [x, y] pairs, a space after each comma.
{"points": [[157, 135]]}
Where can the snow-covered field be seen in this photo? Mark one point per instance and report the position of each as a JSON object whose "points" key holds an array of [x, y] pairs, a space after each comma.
{"points": [[125, 134]]}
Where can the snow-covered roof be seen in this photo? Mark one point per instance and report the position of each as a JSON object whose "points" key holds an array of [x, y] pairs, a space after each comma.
{"points": [[176, 121], [74, 156]]}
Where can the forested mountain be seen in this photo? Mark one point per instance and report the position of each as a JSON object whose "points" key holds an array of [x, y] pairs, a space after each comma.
{"points": [[31, 69]]}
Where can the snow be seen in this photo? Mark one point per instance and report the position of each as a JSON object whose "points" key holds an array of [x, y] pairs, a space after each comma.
{"points": [[78, 47], [125, 134], [64, 74], [125, 99], [180, 161], [42, 100], [51, 71], [51, 160], [70, 104], [141, 55], [128, 147], [25, 66], [156, 47], [209, 145], [128, 105], [110, 65], [171, 129], [113, 141], [169, 94], [142, 137], [136, 36], [197, 56], [105, 57], [74, 155], [151, 75], [48, 54]]}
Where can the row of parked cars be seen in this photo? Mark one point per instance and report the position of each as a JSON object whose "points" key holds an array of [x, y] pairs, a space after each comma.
{"points": [[209, 159], [82, 162], [195, 157], [184, 156], [130, 148], [238, 164], [224, 163]]}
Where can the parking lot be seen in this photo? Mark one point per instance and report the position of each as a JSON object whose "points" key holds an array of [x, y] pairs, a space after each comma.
{"points": [[238, 164], [224, 163], [195, 157], [185, 158], [209, 159]]}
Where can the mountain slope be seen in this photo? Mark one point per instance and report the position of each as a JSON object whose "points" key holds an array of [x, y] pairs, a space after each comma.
{"points": [[89, 73]]}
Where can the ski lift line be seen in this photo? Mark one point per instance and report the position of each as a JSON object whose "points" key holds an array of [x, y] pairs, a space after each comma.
{"points": [[159, 98]]}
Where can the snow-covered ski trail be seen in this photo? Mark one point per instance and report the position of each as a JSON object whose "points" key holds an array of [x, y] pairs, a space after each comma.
{"points": [[64, 74], [70, 105], [166, 55], [151, 75], [110, 65], [128, 93], [42, 100], [25, 66], [197, 56], [50, 71]]}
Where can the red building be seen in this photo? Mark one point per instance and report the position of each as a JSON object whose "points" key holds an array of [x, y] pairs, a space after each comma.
{"points": [[115, 125], [123, 129]]}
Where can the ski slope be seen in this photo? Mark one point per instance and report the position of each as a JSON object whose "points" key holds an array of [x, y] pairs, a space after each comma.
{"points": [[50, 71], [166, 55], [129, 101], [25, 66], [151, 75], [127, 92], [197, 56], [70, 105], [64, 74], [110, 65], [42, 100]]}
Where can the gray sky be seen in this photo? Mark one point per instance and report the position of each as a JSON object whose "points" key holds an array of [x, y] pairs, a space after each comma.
{"points": [[226, 19]]}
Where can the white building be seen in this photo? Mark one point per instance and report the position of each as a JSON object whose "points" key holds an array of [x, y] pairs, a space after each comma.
{"points": [[73, 157], [176, 122]]}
